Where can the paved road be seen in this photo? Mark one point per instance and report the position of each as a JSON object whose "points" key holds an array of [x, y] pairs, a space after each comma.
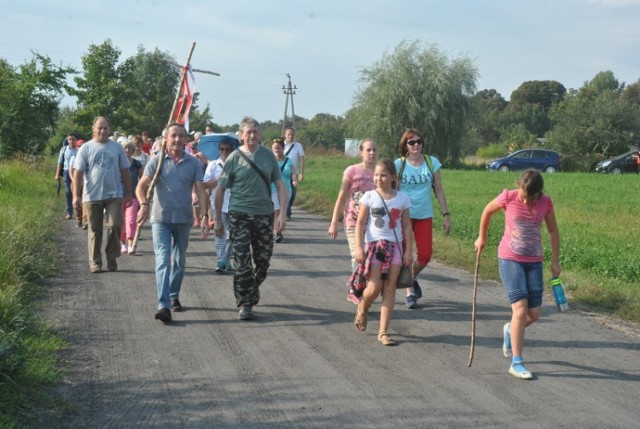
{"points": [[302, 363]]}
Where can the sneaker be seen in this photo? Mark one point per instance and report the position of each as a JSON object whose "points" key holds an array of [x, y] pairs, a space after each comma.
{"points": [[518, 370], [246, 313], [353, 298], [506, 340], [417, 290], [220, 268], [124, 249], [163, 315], [228, 268], [85, 226], [68, 217], [175, 304], [79, 224], [411, 302], [278, 238], [112, 265]]}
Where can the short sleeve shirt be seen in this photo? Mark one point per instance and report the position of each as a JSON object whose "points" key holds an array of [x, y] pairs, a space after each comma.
{"points": [[172, 201], [213, 171], [360, 181], [416, 182], [380, 225], [66, 153], [249, 193], [296, 152], [102, 164], [522, 239]]}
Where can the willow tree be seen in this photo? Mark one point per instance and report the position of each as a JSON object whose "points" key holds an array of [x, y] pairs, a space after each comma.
{"points": [[415, 86]]}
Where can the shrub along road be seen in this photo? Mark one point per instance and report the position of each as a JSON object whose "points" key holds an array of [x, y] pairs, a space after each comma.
{"points": [[302, 363]]}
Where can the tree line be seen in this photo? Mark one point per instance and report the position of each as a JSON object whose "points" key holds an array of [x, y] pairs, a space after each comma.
{"points": [[415, 85]]}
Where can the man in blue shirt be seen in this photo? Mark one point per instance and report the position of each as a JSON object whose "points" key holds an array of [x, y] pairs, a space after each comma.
{"points": [[62, 171], [172, 215]]}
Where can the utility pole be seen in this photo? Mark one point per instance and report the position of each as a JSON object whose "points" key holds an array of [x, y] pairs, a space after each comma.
{"points": [[289, 91]]}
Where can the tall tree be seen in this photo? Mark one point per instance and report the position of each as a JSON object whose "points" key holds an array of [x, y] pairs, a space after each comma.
{"points": [[542, 92], [29, 99], [485, 121], [99, 91], [415, 86], [594, 119], [149, 81], [530, 104]]}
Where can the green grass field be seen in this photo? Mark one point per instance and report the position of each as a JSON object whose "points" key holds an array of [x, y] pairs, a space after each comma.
{"points": [[28, 358], [597, 217]]}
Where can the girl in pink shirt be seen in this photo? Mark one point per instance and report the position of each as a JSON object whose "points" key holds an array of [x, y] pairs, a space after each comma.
{"points": [[356, 180], [520, 257]]}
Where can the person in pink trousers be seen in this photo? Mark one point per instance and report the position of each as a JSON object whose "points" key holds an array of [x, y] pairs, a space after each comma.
{"points": [[130, 212]]}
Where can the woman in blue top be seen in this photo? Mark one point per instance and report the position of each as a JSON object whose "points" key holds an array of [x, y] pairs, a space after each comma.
{"points": [[288, 170], [417, 176]]}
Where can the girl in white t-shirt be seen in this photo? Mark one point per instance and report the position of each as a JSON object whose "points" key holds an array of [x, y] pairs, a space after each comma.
{"points": [[383, 222]]}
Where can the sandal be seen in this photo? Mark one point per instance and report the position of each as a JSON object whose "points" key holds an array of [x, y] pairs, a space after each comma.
{"points": [[361, 319], [385, 339]]}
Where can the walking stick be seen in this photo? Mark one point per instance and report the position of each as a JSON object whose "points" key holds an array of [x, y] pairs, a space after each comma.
{"points": [[134, 245], [473, 310]]}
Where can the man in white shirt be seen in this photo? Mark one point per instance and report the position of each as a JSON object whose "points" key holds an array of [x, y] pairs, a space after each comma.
{"points": [[295, 152]]}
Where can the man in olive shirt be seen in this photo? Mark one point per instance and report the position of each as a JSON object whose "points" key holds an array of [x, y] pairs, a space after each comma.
{"points": [[250, 213]]}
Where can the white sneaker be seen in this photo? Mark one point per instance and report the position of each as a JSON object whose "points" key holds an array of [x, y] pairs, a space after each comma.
{"points": [[124, 249], [506, 340], [523, 375]]}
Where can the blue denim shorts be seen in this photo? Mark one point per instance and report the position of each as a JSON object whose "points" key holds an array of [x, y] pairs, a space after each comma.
{"points": [[522, 280]]}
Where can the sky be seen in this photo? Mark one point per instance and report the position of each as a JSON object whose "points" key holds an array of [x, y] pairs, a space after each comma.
{"points": [[325, 44]]}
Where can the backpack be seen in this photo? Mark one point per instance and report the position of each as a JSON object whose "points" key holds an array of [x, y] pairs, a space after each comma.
{"points": [[427, 159]]}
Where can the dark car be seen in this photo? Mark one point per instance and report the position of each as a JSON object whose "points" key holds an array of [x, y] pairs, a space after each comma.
{"points": [[625, 163], [540, 159]]}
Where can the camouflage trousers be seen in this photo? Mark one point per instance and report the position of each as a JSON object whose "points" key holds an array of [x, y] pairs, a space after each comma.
{"points": [[252, 246]]}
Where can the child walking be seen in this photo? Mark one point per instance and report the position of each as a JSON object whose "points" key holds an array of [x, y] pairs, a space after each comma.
{"points": [[383, 222], [520, 257]]}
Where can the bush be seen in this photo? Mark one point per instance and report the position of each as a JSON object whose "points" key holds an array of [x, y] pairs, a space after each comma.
{"points": [[492, 151], [580, 163]]}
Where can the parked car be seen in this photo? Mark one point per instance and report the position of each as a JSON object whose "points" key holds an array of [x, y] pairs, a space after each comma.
{"points": [[540, 159], [625, 163]]}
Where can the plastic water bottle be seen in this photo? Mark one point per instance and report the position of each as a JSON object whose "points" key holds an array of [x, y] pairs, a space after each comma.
{"points": [[558, 294]]}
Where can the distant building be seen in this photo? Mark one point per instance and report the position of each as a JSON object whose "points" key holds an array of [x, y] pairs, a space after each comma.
{"points": [[351, 147]]}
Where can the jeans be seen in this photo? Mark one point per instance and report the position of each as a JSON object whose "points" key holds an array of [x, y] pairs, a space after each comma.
{"points": [[170, 241], [294, 191], [95, 211], [223, 244], [68, 193], [522, 280]]}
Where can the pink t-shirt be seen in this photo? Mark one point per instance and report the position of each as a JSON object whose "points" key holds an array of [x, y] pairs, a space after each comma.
{"points": [[361, 181], [522, 240]]}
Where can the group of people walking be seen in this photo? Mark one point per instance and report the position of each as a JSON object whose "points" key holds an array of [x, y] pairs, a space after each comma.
{"points": [[387, 209], [386, 205]]}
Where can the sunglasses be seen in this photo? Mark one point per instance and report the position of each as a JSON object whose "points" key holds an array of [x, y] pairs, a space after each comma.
{"points": [[414, 142]]}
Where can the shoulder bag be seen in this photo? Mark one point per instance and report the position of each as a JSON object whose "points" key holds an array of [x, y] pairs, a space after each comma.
{"points": [[255, 167]]}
